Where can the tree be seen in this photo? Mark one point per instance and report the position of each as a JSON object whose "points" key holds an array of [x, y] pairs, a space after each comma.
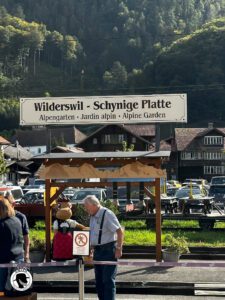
{"points": [[3, 165], [116, 77]]}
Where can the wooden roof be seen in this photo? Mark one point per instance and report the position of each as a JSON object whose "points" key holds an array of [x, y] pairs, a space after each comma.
{"points": [[184, 136], [38, 137]]}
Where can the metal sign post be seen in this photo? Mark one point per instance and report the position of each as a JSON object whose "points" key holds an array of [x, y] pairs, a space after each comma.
{"points": [[81, 277]]}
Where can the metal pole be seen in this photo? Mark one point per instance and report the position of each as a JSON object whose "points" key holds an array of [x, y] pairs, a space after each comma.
{"points": [[81, 278], [157, 138], [158, 220]]}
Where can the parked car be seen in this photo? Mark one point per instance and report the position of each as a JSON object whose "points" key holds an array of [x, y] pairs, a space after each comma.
{"points": [[122, 197], [39, 182], [193, 198], [174, 183], [79, 195], [217, 180], [69, 192], [27, 188], [202, 182], [15, 191], [34, 196], [171, 191], [218, 192]]}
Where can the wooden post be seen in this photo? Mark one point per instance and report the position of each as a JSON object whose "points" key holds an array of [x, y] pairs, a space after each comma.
{"points": [[158, 220], [48, 219]]}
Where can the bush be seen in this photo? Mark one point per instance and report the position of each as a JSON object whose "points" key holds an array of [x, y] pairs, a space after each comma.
{"points": [[177, 244], [37, 244], [82, 217]]}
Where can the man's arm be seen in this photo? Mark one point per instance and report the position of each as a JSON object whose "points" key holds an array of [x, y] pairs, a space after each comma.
{"points": [[26, 247], [119, 243]]}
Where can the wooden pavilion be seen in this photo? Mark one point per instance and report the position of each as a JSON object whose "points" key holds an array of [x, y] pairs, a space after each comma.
{"points": [[103, 165]]}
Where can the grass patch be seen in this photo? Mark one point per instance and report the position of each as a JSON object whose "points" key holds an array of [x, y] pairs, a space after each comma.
{"points": [[139, 237], [180, 224], [137, 234], [137, 224], [194, 238]]}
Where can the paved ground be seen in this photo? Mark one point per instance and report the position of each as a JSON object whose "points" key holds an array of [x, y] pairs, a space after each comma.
{"points": [[120, 297], [142, 274]]}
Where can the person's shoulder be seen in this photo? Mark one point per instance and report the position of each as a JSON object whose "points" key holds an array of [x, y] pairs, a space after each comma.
{"points": [[12, 220], [110, 212], [20, 215]]}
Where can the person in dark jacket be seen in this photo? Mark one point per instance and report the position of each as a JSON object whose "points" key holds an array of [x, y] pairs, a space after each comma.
{"points": [[25, 228], [11, 246]]}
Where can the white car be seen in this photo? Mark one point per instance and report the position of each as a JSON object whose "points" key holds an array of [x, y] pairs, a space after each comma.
{"points": [[82, 193], [14, 190]]}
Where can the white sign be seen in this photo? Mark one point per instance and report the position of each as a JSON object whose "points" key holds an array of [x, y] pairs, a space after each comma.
{"points": [[104, 109], [81, 243]]}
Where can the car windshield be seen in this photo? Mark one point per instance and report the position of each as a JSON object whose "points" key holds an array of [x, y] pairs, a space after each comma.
{"points": [[82, 194], [217, 190], [33, 196], [171, 192], [122, 193], [17, 194], [218, 180], [186, 192]]}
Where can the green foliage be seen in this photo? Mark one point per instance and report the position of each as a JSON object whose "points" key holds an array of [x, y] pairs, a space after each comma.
{"points": [[116, 77], [37, 243], [70, 47], [82, 216], [58, 141], [127, 148], [3, 165], [178, 244]]}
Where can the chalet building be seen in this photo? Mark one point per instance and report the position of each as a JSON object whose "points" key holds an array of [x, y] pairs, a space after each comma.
{"points": [[18, 162], [197, 153], [36, 140], [111, 137]]}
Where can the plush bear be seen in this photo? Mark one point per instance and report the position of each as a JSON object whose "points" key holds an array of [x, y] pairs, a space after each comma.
{"points": [[63, 227]]}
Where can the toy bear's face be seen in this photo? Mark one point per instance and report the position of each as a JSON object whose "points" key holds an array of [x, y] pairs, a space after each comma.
{"points": [[64, 211]]}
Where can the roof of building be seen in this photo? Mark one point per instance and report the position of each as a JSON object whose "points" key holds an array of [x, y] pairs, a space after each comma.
{"points": [[184, 136], [16, 153], [3, 141], [165, 146], [38, 137], [66, 149], [141, 130], [99, 155]]}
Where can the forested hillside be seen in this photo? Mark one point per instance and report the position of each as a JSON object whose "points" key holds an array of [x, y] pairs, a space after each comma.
{"points": [[71, 47], [195, 64]]}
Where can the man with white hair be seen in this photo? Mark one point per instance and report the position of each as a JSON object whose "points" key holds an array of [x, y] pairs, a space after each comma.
{"points": [[106, 238]]}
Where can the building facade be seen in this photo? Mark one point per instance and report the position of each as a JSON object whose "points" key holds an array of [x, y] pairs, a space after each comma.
{"points": [[111, 138], [198, 153]]}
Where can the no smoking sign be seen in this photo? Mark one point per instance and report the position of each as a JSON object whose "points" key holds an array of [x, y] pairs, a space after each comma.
{"points": [[81, 245]]}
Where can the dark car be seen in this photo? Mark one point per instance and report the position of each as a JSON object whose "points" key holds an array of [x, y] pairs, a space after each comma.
{"points": [[35, 196], [123, 201], [218, 192]]}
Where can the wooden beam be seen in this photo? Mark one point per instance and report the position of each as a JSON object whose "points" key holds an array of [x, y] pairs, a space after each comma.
{"points": [[158, 221], [48, 220], [102, 184], [56, 195]]}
